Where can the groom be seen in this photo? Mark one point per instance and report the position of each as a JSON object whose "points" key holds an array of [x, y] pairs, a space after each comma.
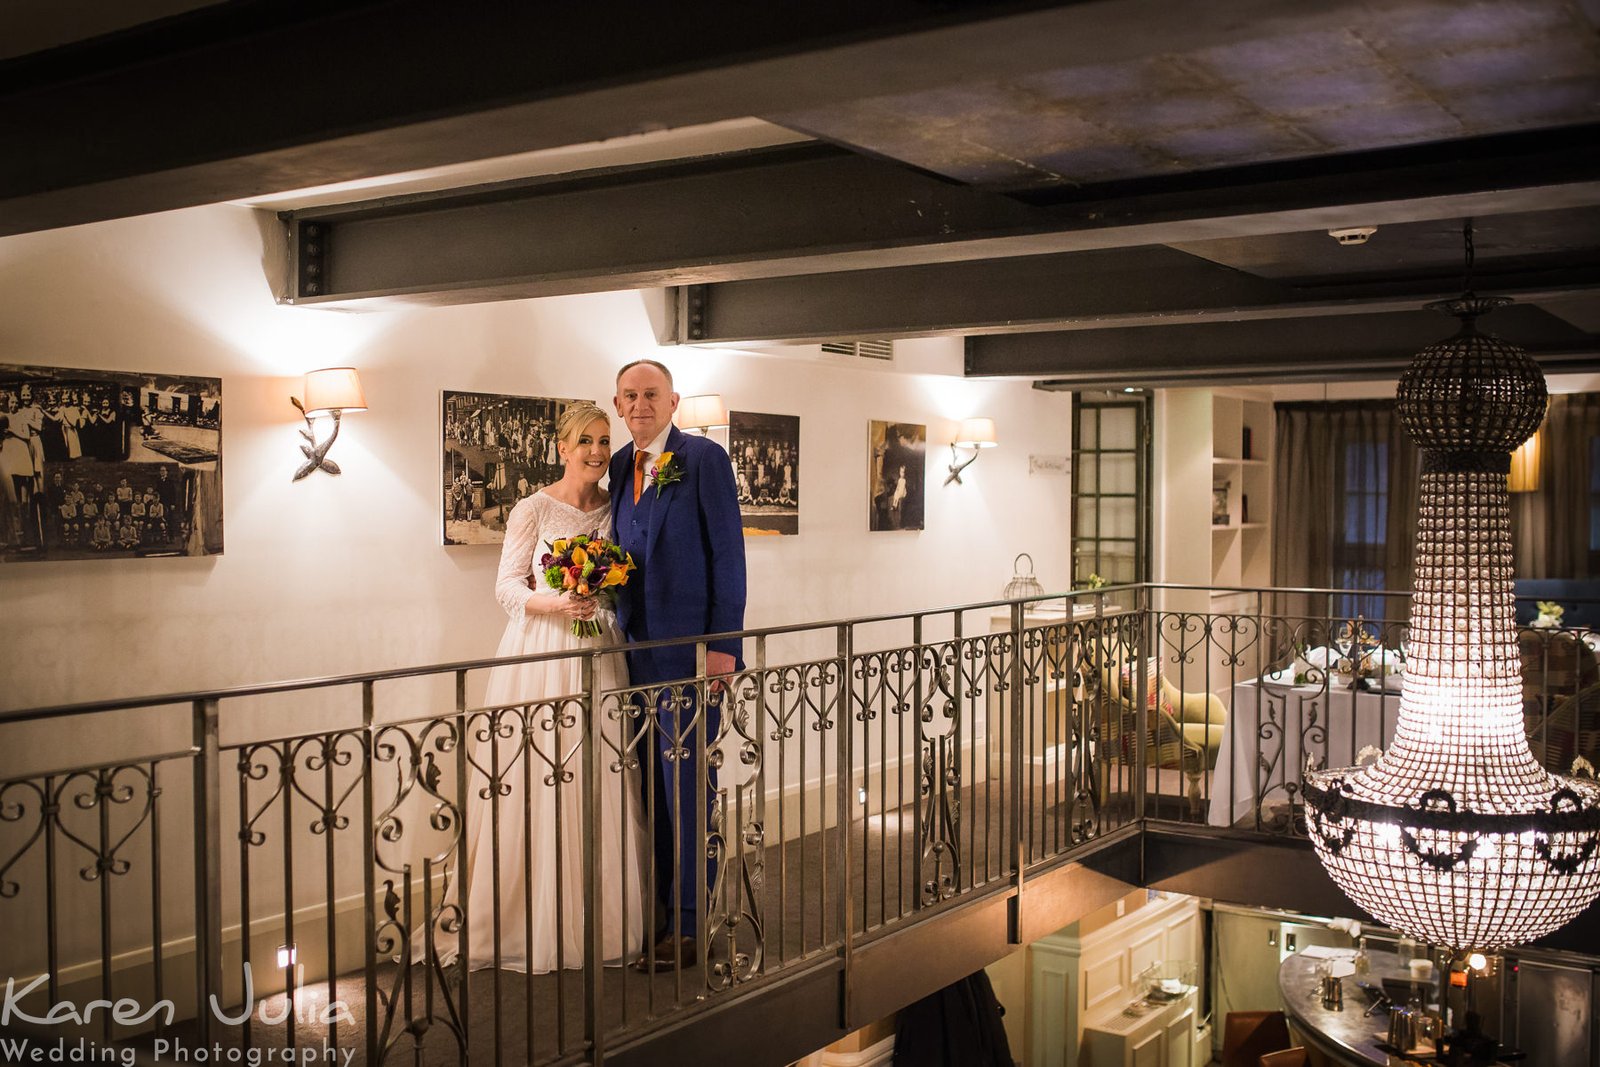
{"points": [[680, 521]]}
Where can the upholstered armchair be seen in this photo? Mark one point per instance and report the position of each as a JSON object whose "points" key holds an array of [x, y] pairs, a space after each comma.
{"points": [[1184, 729]]}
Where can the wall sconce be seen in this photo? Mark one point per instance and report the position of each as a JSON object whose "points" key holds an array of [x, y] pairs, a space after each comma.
{"points": [[698, 414], [1524, 476], [331, 391], [976, 434]]}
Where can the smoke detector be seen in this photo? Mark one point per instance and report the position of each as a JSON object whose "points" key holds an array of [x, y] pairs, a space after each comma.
{"points": [[1353, 235]]}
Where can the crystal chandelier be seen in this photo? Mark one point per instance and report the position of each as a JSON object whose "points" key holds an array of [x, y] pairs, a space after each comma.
{"points": [[1456, 835]]}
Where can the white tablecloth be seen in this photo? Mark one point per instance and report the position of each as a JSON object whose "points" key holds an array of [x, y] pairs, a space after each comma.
{"points": [[1271, 729]]}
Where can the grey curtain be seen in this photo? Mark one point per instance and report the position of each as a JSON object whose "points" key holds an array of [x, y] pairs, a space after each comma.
{"points": [[1314, 470], [1551, 531]]}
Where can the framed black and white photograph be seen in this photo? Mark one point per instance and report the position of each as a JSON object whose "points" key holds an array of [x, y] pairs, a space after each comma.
{"points": [[765, 450], [1219, 504], [108, 464], [497, 450], [896, 475]]}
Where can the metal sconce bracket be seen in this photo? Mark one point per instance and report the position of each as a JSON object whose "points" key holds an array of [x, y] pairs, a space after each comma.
{"points": [[957, 465], [316, 455]]}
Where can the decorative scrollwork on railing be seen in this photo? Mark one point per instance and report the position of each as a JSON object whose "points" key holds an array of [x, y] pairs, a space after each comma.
{"points": [[1179, 634], [736, 838], [938, 664], [102, 791], [1270, 776], [326, 754], [407, 927], [554, 737], [506, 727], [939, 776], [14, 807], [1238, 638], [251, 768]]}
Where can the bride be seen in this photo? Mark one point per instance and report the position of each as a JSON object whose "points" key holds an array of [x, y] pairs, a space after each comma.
{"points": [[541, 872]]}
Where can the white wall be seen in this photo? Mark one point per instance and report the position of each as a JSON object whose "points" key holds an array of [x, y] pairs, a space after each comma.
{"points": [[1183, 494], [337, 575]]}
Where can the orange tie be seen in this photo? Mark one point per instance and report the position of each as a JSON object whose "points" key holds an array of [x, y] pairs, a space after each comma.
{"points": [[639, 460]]}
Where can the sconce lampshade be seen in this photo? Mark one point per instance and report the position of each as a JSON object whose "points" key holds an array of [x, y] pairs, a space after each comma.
{"points": [[976, 433], [704, 412], [333, 389], [1524, 476]]}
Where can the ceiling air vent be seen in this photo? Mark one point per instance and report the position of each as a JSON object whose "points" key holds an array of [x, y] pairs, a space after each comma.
{"points": [[863, 349]]}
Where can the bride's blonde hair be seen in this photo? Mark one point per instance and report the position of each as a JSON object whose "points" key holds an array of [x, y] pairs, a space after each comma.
{"points": [[579, 414]]}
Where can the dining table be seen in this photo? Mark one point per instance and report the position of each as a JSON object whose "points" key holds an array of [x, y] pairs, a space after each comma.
{"points": [[1273, 727]]}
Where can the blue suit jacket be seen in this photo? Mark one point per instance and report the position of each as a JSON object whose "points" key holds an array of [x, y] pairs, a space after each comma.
{"points": [[688, 542]]}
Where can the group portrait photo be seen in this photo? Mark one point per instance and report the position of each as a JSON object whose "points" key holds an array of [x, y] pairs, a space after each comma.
{"points": [[497, 450], [765, 450], [108, 465]]}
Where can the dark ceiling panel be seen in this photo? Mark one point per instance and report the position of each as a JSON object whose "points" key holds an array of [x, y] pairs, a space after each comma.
{"points": [[1430, 70], [1281, 350], [1433, 248]]}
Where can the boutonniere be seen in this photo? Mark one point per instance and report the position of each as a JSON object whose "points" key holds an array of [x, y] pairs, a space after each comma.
{"points": [[665, 472]]}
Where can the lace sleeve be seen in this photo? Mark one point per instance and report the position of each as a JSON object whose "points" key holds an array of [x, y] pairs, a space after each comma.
{"points": [[516, 558]]}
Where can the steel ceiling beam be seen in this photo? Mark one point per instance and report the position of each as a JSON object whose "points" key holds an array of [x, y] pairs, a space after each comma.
{"points": [[1275, 350], [1075, 290], [786, 211], [763, 212], [262, 96]]}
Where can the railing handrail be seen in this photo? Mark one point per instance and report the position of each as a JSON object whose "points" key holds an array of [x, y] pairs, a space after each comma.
{"points": [[90, 707], [392, 674]]}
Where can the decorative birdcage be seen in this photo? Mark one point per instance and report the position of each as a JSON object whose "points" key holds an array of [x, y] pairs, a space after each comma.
{"points": [[1023, 584]]}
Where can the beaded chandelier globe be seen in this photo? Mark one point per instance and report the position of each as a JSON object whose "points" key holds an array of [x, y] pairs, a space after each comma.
{"points": [[1456, 834]]}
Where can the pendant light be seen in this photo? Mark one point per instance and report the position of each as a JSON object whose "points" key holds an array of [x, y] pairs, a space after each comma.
{"points": [[1456, 835]]}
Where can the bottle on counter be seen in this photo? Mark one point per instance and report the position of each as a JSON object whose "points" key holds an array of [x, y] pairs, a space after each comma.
{"points": [[1363, 964]]}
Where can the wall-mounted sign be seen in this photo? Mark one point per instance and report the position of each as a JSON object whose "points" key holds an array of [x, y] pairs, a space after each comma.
{"points": [[1055, 466]]}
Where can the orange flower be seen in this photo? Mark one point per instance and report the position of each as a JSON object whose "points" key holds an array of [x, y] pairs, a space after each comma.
{"points": [[616, 575], [579, 557]]}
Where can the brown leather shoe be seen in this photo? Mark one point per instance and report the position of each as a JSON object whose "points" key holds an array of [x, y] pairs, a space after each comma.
{"points": [[668, 953]]}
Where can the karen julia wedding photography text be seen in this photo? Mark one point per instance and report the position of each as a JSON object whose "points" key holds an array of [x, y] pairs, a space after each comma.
{"points": [[129, 1012]]}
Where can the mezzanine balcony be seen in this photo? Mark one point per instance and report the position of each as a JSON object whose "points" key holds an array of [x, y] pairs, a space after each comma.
{"points": [[896, 801]]}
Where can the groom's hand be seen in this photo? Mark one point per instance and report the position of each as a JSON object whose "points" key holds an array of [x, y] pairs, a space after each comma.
{"points": [[718, 663]]}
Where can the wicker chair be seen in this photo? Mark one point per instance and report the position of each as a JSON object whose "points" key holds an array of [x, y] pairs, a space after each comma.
{"points": [[1184, 730], [1570, 730], [1561, 698]]}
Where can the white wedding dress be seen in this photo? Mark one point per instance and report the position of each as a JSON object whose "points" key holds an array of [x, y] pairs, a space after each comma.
{"points": [[532, 875]]}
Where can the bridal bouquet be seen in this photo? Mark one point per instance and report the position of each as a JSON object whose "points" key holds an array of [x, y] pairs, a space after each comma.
{"points": [[587, 566]]}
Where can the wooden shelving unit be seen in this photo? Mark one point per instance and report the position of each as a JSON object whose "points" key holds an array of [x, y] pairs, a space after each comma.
{"points": [[1241, 447]]}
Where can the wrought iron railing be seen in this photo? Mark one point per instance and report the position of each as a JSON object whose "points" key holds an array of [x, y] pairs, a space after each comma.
{"points": [[381, 856]]}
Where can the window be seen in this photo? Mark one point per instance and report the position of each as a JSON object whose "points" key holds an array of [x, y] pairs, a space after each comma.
{"points": [[1111, 487], [1361, 520]]}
